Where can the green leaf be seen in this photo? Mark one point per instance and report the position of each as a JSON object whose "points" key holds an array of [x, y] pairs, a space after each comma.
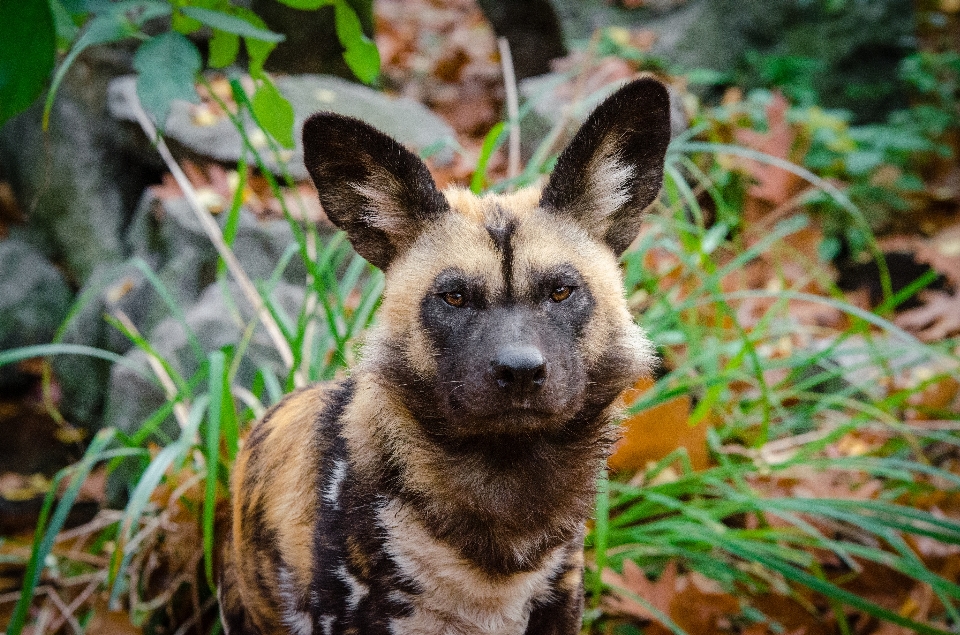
{"points": [[306, 5], [75, 6], [167, 66], [112, 23], [138, 11], [218, 380], [257, 50], [233, 24], [360, 53], [224, 47], [274, 113], [64, 25], [27, 54], [184, 23]]}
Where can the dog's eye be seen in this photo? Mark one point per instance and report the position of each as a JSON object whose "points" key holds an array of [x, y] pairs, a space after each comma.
{"points": [[454, 299], [559, 294]]}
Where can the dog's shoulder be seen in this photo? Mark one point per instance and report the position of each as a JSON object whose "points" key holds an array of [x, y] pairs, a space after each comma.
{"points": [[275, 506]]}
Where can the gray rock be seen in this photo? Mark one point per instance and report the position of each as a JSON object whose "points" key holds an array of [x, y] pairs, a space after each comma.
{"points": [[111, 290], [80, 180], [167, 232], [166, 237], [34, 297], [404, 119], [859, 44], [548, 97], [218, 319]]}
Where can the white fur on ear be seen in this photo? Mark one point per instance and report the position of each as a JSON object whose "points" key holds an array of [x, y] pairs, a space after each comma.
{"points": [[384, 208], [608, 187]]}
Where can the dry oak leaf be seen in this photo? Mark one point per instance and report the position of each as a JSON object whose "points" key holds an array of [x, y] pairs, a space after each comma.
{"points": [[658, 594], [652, 434], [691, 601], [773, 185], [936, 320]]}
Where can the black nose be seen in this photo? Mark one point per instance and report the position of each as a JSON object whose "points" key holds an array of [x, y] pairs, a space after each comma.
{"points": [[519, 369]]}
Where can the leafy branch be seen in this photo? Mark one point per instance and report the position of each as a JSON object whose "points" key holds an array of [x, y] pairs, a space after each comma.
{"points": [[167, 63]]}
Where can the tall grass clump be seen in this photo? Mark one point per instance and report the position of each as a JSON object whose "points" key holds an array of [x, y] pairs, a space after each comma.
{"points": [[786, 399]]}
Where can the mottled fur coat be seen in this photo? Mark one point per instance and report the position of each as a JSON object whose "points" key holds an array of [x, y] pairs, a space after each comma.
{"points": [[443, 487]]}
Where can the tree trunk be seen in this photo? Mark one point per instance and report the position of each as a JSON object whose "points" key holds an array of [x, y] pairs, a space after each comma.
{"points": [[311, 45]]}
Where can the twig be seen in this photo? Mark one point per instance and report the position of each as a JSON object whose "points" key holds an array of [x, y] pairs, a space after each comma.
{"points": [[42, 620], [65, 612], [566, 114], [104, 518], [77, 602], [513, 107], [213, 232], [13, 596], [195, 620], [77, 580], [181, 409]]}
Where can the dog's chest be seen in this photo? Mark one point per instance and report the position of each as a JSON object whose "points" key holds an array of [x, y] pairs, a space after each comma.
{"points": [[381, 571], [454, 596]]}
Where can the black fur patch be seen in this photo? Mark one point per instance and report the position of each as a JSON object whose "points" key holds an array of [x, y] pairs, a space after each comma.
{"points": [[502, 235], [353, 576], [465, 398]]}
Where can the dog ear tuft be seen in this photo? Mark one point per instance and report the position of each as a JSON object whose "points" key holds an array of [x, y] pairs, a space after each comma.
{"points": [[613, 168], [370, 186]]}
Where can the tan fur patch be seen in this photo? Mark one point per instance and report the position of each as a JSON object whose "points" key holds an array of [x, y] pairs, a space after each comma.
{"points": [[375, 420], [279, 478], [457, 240]]}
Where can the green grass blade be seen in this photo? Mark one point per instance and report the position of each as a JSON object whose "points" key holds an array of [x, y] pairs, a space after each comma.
{"points": [[140, 497], [45, 350], [44, 539], [218, 380], [491, 142]]}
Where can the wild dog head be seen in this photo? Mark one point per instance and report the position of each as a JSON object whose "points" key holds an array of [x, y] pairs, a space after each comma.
{"points": [[502, 314]]}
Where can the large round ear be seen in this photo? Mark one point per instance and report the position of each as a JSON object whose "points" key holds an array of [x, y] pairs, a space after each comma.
{"points": [[370, 186], [613, 169]]}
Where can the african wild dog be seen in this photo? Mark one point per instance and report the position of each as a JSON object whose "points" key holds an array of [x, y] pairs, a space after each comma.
{"points": [[443, 488]]}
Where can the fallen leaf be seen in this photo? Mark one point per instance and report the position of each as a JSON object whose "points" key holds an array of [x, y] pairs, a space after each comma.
{"points": [[701, 608], [658, 593], [773, 186], [937, 319], [107, 622], [652, 434], [942, 253]]}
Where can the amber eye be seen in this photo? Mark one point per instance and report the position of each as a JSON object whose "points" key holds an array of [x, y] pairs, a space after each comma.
{"points": [[454, 299], [560, 294]]}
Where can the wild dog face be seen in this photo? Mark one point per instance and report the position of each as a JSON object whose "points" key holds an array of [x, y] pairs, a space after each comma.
{"points": [[503, 314]]}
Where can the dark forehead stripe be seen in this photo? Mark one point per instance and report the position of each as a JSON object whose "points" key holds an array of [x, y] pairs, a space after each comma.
{"points": [[501, 229]]}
